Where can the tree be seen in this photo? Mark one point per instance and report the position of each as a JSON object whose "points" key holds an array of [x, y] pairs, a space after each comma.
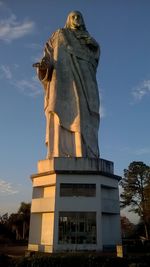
{"points": [[19, 222], [135, 181], [127, 227], [147, 202], [15, 225], [24, 213], [3, 224]]}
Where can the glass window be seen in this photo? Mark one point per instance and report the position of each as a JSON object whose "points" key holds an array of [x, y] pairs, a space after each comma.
{"points": [[85, 190], [77, 227]]}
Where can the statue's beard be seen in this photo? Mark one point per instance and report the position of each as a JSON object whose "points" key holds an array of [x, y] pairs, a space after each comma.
{"points": [[76, 25]]}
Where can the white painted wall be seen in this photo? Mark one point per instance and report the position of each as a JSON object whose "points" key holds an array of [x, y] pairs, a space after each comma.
{"points": [[111, 234], [35, 228], [47, 229]]}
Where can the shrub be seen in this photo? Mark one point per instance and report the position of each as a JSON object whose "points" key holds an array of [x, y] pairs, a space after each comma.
{"points": [[70, 260]]}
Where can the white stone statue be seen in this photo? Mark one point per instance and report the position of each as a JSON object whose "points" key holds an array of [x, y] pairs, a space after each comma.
{"points": [[68, 74]]}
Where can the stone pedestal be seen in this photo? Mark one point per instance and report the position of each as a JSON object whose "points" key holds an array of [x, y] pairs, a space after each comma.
{"points": [[75, 205]]}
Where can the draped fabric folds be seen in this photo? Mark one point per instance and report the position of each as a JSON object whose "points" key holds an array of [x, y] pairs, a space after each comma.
{"points": [[71, 94]]}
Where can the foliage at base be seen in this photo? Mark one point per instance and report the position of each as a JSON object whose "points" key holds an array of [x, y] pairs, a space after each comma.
{"points": [[74, 260]]}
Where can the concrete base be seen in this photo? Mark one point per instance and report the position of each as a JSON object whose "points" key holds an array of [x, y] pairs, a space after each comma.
{"points": [[75, 205]]}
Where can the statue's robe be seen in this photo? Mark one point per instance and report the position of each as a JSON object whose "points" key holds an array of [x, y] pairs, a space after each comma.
{"points": [[71, 95]]}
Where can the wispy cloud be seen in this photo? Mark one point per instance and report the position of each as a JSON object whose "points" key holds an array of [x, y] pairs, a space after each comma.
{"points": [[135, 151], [30, 87], [7, 188], [5, 72], [141, 91], [142, 151], [11, 28], [34, 46]]}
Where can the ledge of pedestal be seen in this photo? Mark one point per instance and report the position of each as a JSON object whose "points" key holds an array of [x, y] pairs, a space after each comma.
{"points": [[76, 166]]}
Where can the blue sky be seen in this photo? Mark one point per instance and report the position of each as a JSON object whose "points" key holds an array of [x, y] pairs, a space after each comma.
{"points": [[122, 30]]}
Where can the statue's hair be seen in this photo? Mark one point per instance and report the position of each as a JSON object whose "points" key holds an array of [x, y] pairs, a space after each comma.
{"points": [[67, 25]]}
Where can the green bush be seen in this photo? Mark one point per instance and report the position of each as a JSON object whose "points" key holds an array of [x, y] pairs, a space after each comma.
{"points": [[4, 260], [74, 260], [139, 261], [70, 260]]}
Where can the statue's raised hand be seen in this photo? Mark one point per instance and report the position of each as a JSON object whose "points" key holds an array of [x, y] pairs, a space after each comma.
{"points": [[43, 64]]}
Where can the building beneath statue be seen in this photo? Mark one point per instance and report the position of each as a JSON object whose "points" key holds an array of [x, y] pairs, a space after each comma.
{"points": [[75, 206]]}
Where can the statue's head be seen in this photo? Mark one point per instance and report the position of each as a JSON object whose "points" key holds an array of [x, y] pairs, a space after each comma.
{"points": [[75, 21]]}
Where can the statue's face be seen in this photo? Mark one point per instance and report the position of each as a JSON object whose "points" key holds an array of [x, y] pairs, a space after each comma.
{"points": [[76, 20]]}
